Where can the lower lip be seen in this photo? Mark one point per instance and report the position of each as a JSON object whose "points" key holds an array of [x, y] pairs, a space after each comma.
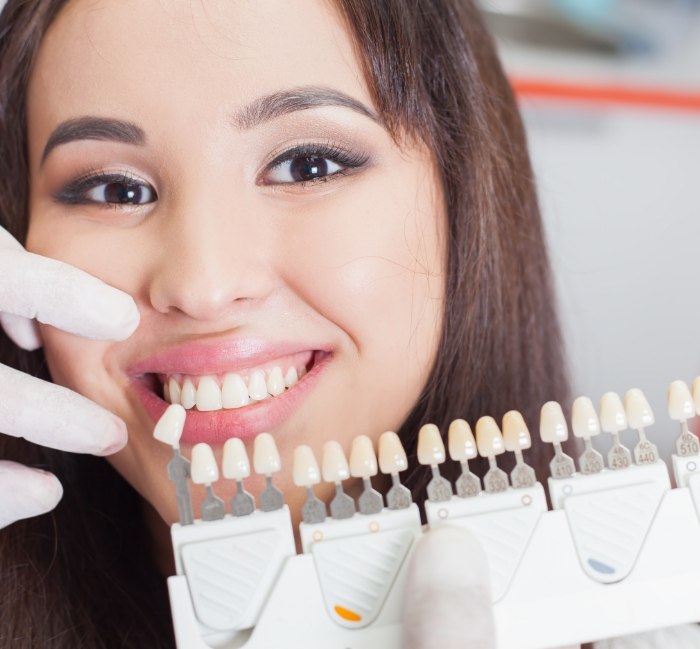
{"points": [[217, 426]]}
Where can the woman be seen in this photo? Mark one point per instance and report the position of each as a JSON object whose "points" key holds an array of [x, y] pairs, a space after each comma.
{"points": [[337, 190]]}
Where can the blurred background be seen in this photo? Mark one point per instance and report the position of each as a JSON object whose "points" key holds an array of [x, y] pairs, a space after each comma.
{"points": [[610, 94]]}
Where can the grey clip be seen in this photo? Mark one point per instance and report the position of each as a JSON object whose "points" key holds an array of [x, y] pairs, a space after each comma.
{"points": [[370, 500], [398, 497], [619, 456], [242, 503], [439, 488], [342, 506], [313, 510], [213, 506], [179, 473], [561, 466], [468, 484], [271, 498], [591, 461]]}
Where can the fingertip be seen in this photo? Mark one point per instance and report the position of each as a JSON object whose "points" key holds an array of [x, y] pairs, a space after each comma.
{"points": [[115, 438]]}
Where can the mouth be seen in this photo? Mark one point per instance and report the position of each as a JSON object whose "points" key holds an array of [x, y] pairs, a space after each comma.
{"points": [[242, 402]]}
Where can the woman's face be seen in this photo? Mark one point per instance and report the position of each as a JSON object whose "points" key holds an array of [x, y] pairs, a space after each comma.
{"points": [[222, 162]]}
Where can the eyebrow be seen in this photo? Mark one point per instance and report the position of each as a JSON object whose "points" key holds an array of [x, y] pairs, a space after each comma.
{"points": [[256, 112], [284, 102], [94, 128]]}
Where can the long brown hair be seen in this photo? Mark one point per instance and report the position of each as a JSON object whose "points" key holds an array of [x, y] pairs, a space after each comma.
{"points": [[81, 576]]}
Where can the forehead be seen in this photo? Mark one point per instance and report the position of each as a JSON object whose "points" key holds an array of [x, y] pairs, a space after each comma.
{"points": [[198, 59]]}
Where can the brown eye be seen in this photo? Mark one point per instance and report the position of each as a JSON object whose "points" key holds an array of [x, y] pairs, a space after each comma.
{"points": [[303, 169], [121, 193]]}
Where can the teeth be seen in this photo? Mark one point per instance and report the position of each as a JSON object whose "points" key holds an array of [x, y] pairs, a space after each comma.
{"points": [[489, 440], [275, 382], [305, 467], [234, 392], [335, 465], [392, 457], [208, 394], [203, 468], [363, 461], [612, 413], [170, 425], [680, 401], [174, 391], [257, 386], [188, 396], [166, 392], [266, 457], [584, 418], [460, 441], [553, 428], [235, 465], [291, 377], [696, 394], [431, 448], [639, 412], [516, 436]]}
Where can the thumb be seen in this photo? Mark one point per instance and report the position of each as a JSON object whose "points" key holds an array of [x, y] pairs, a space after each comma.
{"points": [[447, 603]]}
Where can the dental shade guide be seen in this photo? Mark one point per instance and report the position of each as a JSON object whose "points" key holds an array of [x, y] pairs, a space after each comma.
{"points": [[616, 555]]}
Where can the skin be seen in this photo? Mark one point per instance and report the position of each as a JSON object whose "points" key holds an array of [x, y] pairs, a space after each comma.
{"points": [[354, 264]]}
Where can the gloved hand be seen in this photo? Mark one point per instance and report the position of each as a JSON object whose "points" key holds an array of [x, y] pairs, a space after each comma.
{"points": [[37, 288], [447, 602]]}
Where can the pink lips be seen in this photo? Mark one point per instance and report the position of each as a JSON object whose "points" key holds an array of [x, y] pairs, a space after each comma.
{"points": [[215, 358]]}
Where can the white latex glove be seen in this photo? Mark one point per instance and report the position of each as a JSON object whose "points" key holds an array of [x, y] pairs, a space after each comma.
{"points": [[37, 288], [447, 603]]}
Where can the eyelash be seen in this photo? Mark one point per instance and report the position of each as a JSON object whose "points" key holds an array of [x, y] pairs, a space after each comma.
{"points": [[75, 192]]}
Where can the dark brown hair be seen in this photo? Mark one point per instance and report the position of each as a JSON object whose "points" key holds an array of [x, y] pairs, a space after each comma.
{"points": [[81, 576]]}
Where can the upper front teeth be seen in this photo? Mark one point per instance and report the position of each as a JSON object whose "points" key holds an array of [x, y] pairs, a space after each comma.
{"points": [[233, 391]]}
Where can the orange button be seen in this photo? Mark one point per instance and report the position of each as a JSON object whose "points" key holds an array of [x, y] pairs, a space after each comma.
{"points": [[350, 616]]}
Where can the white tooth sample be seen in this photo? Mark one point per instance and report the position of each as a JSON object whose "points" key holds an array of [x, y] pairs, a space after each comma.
{"points": [[203, 469], [638, 410], [696, 394], [166, 392], [516, 436], [613, 418], [257, 386], [275, 382], [431, 448], [305, 470], [489, 440], [392, 456], [584, 418], [334, 465], [553, 428], [460, 441], [291, 377], [363, 461], [235, 465], [234, 392], [680, 402], [208, 395], [266, 457], [174, 391], [188, 396], [169, 427]]}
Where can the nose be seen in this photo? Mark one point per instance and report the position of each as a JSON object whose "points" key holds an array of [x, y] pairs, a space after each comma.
{"points": [[210, 262]]}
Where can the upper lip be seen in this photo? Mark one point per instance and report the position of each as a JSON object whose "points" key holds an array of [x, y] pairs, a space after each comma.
{"points": [[215, 357]]}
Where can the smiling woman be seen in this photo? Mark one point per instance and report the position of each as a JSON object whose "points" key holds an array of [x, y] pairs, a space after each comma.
{"points": [[325, 215]]}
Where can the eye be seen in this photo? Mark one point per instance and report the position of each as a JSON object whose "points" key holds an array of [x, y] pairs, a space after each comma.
{"points": [[121, 193], [311, 163]]}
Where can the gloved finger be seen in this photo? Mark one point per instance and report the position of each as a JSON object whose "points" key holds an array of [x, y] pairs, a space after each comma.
{"points": [[22, 331], [26, 492], [447, 602], [58, 294], [54, 416]]}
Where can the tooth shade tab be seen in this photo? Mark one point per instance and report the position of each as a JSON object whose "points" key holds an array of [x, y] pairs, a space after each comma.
{"points": [[306, 472], [334, 464], [431, 448], [460, 441], [613, 418], [584, 419], [363, 461], [489, 439], [696, 394], [208, 395], [680, 402], [638, 410], [235, 465], [204, 469], [516, 436], [169, 427], [553, 427], [266, 457], [392, 456]]}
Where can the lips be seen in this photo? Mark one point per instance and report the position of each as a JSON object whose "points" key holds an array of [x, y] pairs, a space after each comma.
{"points": [[208, 366]]}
